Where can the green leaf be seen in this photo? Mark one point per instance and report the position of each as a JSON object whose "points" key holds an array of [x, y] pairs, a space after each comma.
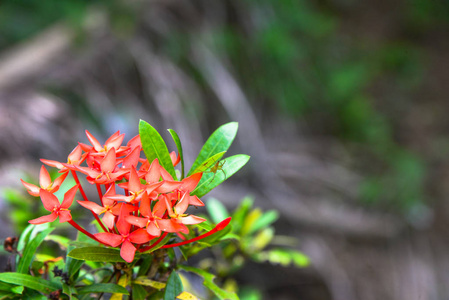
{"points": [[240, 213], [249, 293], [209, 283], [219, 141], [211, 180], [209, 162], [206, 225], [5, 287], [38, 284], [97, 254], [139, 292], [284, 257], [30, 250], [110, 288], [216, 210], [72, 265], [30, 294], [262, 239], [147, 260], [61, 240], [148, 282], [174, 287], [17, 289], [6, 295], [230, 236], [23, 239], [156, 296], [250, 220], [175, 137], [184, 252], [68, 290], [265, 220], [154, 147]]}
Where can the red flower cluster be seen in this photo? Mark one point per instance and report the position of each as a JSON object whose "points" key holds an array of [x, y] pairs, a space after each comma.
{"points": [[152, 205]]}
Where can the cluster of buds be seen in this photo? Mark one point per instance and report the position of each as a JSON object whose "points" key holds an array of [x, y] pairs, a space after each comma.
{"points": [[140, 203]]}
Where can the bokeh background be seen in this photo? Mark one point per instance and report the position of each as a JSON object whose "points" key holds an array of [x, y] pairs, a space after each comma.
{"points": [[342, 105]]}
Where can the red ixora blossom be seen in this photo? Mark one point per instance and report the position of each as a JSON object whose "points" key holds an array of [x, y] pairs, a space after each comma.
{"points": [[139, 200], [178, 219], [51, 203], [45, 183], [125, 238]]}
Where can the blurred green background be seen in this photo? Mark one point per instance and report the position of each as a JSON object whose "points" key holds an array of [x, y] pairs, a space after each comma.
{"points": [[341, 103]]}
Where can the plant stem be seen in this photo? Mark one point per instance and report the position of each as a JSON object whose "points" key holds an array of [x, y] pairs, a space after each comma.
{"points": [[74, 224], [100, 194], [154, 244], [220, 226], [85, 199]]}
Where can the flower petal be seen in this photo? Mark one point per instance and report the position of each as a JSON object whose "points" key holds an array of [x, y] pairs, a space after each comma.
{"points": [[159, 208], [134, 184], [165, 175], [91, 206], [108, 162], [127, 251], [168, 186], [120, 198], [172, 226], [53, 163], [88, 171], [115, 140], [190, 220], [194, 200], [190, 183], [164, 199], [175, 159], [44, 178], [68, 197], [75, 155], [128, 208], [154, 172], [64, 216], [108, 220], [153, 187], [145, 205], [182, 205], [123, 226], [48, 200], [44, 219], [153, 230], [132, 159], [58, 181], [134, 142], [94, 141], [32, 189], [110, 239], [138, 221], [140, 236]]}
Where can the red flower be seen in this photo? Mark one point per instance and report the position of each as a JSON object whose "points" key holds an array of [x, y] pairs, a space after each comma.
{"points": [[45, 183], [178, 219], [126, 239], [175, 159], [75, 158], [135, 188], [110, 207], [51, 203], [108, 171], [151, 217], [113, 142]]}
